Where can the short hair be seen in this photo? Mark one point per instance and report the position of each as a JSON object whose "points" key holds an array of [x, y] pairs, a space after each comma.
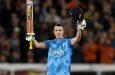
{"points": [[58, 25]]}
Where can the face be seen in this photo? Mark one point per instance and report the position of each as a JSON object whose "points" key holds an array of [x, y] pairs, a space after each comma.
{"points": [[58, 32]]}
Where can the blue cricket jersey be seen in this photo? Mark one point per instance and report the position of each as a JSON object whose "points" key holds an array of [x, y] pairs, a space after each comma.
{"points": [[59, 56]]}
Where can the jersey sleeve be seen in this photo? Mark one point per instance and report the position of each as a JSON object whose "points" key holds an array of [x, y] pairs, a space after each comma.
{"points": [[69, 45], [69, 42], [47, 43]]}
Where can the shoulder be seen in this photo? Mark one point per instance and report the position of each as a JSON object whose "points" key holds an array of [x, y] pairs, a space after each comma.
{"points": [[67, 40], [48, 42]]}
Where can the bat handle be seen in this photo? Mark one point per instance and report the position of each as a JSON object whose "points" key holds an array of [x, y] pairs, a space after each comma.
{"points": [[30, 45]]}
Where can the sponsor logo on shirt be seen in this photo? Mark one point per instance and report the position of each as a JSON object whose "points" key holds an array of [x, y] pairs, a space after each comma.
{"points": [[57, 52]]}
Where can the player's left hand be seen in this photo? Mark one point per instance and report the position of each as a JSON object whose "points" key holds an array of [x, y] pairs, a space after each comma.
{"points": [[81, 25]]}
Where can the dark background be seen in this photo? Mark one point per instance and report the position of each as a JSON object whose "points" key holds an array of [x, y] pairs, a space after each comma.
{"points": [[97, 44]]}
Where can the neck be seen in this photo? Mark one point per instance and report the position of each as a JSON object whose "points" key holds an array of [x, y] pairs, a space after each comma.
{"points": [[59, 38]]}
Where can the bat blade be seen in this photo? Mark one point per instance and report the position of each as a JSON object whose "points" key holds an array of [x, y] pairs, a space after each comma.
{"points": [[29, 15]]}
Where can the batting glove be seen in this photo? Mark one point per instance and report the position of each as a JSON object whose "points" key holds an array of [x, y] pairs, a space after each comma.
{"points": [[81, 25], [29, 37]]}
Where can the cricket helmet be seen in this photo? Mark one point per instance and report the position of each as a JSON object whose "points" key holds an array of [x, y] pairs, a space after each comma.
{"points": [[76, 15]]}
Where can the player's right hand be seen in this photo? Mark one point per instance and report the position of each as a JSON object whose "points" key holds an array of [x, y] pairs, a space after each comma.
{"points": [[30, 37]]}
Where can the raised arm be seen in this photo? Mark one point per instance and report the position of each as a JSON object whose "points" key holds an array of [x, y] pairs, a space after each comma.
{"points": [[77, 38], [80, 27], [36, 44]]}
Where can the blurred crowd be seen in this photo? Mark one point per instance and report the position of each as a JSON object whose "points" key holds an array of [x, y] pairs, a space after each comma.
{"points": [[97, 44]]}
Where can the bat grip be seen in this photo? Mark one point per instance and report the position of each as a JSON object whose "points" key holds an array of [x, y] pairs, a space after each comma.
{"points": [[30, 45]]}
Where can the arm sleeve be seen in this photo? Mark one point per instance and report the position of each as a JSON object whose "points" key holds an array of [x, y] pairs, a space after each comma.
{"points": [[69, 46], [47, 43], [69, 42]]}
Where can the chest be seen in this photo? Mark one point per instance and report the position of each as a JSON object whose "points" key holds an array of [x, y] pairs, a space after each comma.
{"points": [[58, 48]]}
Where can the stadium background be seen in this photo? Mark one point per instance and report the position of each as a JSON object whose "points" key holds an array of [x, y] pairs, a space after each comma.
{"points": [[97, 45]]}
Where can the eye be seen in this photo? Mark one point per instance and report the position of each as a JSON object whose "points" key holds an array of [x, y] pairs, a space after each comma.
{"points": [[60, 30], [56, 30]]}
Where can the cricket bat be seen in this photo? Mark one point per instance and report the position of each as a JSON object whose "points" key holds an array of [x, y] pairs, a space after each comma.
{"points": [[29, 18]]}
